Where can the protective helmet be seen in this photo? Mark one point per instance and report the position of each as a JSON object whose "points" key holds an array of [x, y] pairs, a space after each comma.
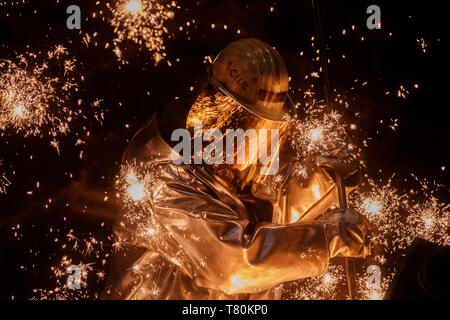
{"points": [[253, 74]]}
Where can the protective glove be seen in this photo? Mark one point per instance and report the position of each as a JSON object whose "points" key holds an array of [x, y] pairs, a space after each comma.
{"points": [[346, 233]]}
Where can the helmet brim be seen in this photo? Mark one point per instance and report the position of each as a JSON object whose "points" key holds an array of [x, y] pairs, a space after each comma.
{"points": [[287, 110]]}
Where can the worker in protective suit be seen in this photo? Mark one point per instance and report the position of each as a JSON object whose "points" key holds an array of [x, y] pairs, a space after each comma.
{"points": [[226, 231]]}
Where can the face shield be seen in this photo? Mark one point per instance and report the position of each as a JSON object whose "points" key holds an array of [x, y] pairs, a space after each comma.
{"points": [[247, 145]]}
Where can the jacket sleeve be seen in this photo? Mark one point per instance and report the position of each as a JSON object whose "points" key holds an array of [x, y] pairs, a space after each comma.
{"points": [[209, 234]]}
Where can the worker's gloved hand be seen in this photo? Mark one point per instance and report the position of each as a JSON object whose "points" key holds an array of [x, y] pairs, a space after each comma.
{"points": [[346, 233]]}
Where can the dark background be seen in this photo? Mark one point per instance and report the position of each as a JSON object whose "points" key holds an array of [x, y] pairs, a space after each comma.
{"points": [[420, 145]]}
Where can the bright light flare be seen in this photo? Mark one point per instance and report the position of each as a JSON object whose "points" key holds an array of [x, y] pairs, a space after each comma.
{"points": [[428, 222], [371, 206], [142, 22], [134, 6], [136, 191], [316, 134], [319, 134], [19, 111]]}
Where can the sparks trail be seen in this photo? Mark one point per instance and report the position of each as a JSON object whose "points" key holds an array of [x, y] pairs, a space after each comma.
{"points": [[137, 186], [399, 218], [61, 291], [33, 103], [143, 22], [75, 248], [4, 181], [325, 286], [320, 134]]}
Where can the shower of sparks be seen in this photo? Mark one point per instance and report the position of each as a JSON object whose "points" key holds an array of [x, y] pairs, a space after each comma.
{"points": [[143, 22], [371, 291], [79, 247], [87, 246], [323, 287], [135, 182], [62, 291], [397, 219], [430, 220], [31, 102], [137, 187], [320, 134]]}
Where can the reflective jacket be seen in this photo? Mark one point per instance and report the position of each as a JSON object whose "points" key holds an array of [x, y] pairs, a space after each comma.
{"points": [[202, 238]]}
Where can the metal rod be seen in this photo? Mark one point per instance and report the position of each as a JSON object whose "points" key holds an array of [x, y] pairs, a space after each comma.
{"points": [[349, 262], [350, 269], [341, 191], [323, 53]]}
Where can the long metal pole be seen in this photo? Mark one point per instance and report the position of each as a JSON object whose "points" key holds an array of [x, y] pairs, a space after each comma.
{"points": [[323, 52], [350, 270]]}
